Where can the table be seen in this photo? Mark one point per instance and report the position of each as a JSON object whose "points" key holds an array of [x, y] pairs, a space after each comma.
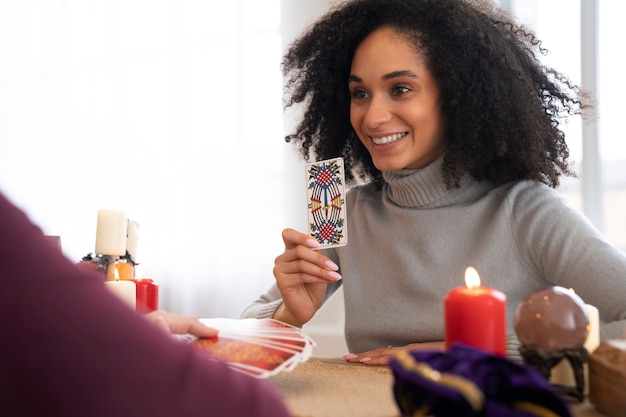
{"points": [[329, 387]]}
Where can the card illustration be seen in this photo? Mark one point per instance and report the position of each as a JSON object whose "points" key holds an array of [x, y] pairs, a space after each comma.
{"points": [[326, 204]]}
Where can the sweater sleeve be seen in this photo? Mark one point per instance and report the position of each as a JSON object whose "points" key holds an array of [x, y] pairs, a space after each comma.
{"points": [[73, 349], [264, 306], [562, 246]]}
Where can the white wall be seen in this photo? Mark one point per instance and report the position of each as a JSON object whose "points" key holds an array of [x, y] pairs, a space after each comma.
{"points": [[168, 110], [326, 328]]}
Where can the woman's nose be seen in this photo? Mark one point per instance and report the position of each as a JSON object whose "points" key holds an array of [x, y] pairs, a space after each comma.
{"points": [[378, 112]]}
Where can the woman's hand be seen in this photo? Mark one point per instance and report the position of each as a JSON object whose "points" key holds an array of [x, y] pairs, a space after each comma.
{"points": [[382, 356], [176, 324], [302, 274]]}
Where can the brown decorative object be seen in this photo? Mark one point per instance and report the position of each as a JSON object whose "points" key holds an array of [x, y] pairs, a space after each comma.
{"points": [[552, 325], [543, 360], [553, 318], [607, 378]]}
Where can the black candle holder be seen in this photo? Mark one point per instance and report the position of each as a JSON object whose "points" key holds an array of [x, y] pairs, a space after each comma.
{"points": [[543, 360], [101, 263]]}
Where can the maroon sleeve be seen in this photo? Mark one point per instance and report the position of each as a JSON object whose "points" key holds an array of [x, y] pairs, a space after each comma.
{"points": [[70, 348]]}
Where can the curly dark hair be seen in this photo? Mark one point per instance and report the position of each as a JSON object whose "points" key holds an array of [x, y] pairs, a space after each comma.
{"points": [[502, 106]]}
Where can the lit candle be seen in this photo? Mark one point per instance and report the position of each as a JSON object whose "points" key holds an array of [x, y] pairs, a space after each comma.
{"points": [[593, 335], [476, 315], [111, 233], [131, 239], [147, 295], [121, 269], [124, 289]]}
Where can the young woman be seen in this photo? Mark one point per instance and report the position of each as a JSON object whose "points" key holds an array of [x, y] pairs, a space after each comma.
{"points": [[450, 125]]}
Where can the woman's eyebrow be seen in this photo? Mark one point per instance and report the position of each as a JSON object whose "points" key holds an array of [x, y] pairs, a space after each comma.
{"points": [[391, 75], [401, 73]]}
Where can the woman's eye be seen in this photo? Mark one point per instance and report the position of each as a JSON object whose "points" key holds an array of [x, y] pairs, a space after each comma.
{"points": [[399, 90], [358, 93]]}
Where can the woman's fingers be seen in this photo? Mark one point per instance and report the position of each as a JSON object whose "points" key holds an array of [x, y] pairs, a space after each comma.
{"points": [[301, 263], [293, 238], [305, 271], [302, 275], [382, 356], [373, 357], [178, 324]]}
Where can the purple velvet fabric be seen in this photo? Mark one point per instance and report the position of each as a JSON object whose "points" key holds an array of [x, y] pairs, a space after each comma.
{"points": [[508, 389]]}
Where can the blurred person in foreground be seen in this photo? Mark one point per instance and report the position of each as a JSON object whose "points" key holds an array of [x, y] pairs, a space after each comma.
{"points": [[71, 348]]}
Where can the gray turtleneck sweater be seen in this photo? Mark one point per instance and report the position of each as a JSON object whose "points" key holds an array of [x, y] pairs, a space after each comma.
{"points": [[410, 243]]}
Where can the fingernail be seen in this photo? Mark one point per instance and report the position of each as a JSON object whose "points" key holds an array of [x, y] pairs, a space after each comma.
{"points": [[334, 275], [350, 356], [312, 243], [331, 265], [365, 360]]}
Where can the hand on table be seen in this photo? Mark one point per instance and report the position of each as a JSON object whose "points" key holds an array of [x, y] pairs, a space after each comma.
{"points": [[176, 324], [302, 274], [381, 356]]}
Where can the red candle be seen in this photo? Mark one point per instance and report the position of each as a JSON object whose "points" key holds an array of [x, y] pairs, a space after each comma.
{"points": [[476, 316], [147, 295]]}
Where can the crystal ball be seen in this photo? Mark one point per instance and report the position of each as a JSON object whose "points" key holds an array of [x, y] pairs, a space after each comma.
{"points": [[552, 318]]}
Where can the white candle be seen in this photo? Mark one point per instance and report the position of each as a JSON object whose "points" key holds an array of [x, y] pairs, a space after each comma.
{"points": [[125, 289], [111, 233], [593, 336], [131, 239]]}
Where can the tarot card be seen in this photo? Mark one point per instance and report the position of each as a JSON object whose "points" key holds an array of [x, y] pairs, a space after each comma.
{"points": [[259, 347], [261, 360], [326, 202]]}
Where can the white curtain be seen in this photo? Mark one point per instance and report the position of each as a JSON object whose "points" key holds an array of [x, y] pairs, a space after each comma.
{"points": [[168, 110]]}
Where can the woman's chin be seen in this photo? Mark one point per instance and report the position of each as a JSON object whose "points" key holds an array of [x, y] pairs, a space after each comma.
{"points": [[386, 165]]}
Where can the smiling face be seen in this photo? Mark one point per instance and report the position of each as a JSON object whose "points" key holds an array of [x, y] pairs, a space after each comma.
{"points": [[394, 107]]}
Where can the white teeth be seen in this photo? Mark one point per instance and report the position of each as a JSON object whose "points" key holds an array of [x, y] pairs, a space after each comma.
{"points": [[388, 139]]}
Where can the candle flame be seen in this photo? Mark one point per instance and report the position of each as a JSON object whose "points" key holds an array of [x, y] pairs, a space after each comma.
{"points": [[116, 273], [472, 279]]}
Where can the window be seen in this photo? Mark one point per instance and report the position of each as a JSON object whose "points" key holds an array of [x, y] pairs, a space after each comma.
{"points": [[169, 110], [612, 134], [600, 190]]}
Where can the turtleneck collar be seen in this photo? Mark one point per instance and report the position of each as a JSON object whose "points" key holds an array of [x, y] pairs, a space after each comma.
{"points": [[425, 188]]}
